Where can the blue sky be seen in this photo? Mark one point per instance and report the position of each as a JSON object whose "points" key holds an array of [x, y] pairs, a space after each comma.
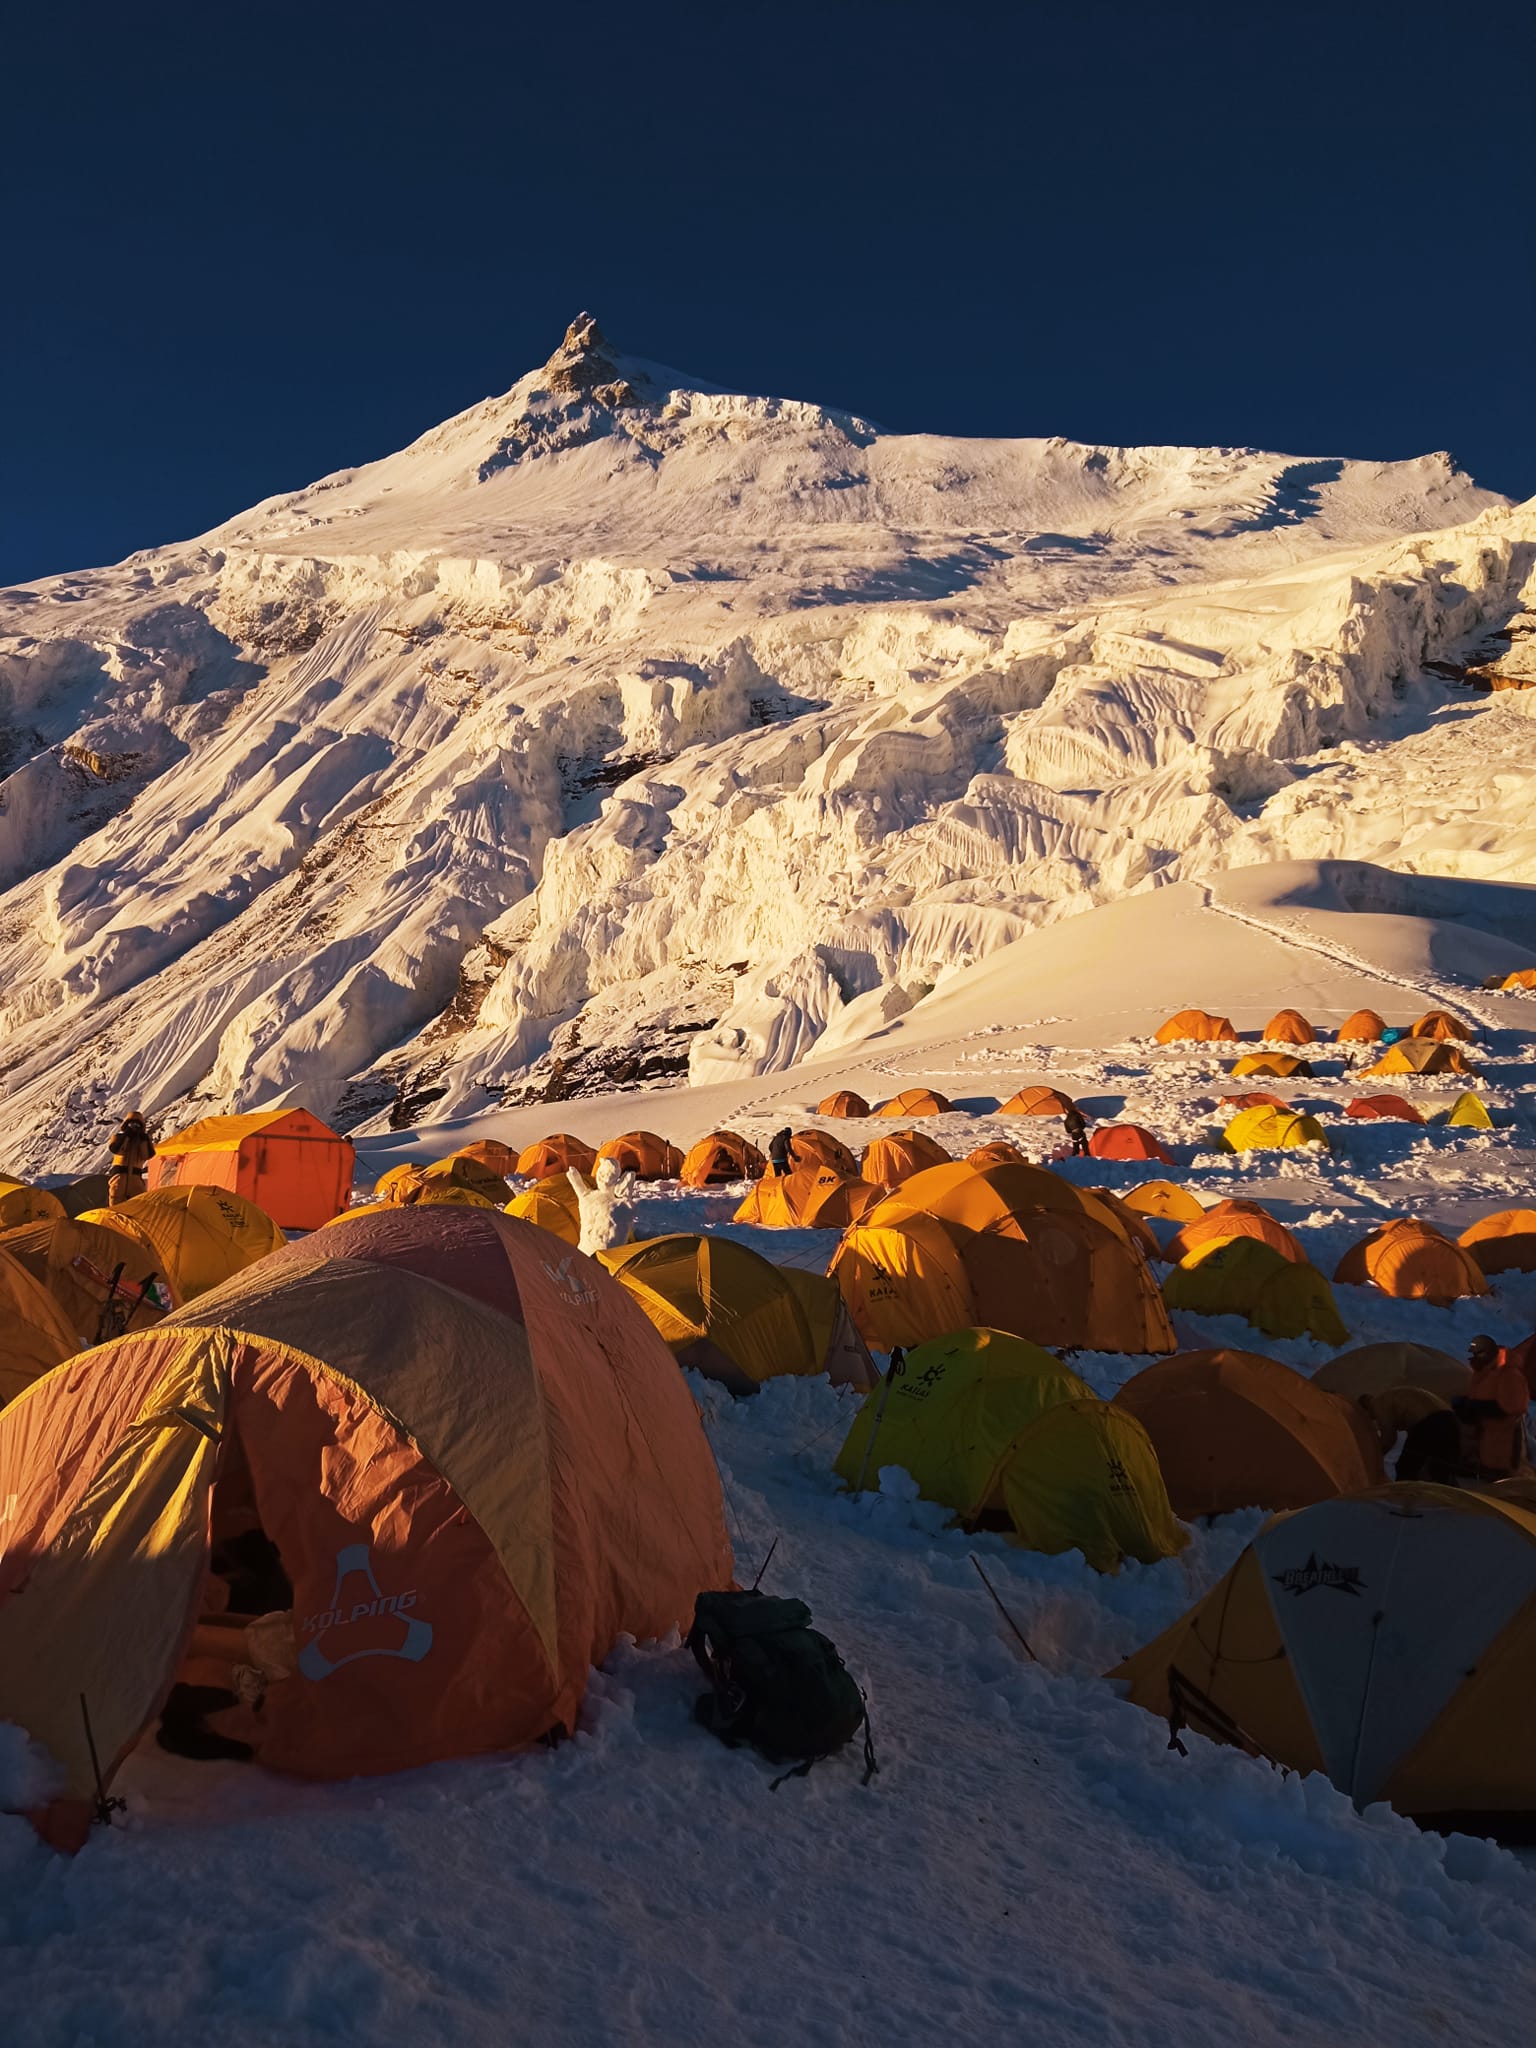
{"points": [[245, 247]]}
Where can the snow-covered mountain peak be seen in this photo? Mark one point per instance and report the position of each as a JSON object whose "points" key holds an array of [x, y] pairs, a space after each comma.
{"points": [[626, 724]]}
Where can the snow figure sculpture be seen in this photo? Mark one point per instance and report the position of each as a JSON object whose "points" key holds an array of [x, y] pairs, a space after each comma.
{"points": [[607, 1209]]}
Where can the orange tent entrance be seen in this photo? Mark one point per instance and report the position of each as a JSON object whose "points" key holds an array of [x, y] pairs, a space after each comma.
{"points": [[286, 1161], [719, 1159], [643, 1154], [433, 1425]]}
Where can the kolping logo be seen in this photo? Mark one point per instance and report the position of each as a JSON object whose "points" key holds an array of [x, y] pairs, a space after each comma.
{"points": [[1304, 1578], [353, 1563], [569, 1284]]}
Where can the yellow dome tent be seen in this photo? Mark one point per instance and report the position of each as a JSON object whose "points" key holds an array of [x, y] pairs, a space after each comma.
{"points": [[200, 1235], [725, 1312], [1522, 978], [551, 1204], [35, 1332], [1283, 1065], [1165, 1198], [835, 1339], [998, 1153], [392, 1186], [1421, 1056], [20, 1204], [1386, 1639], [1467, 1113], [1252, 1280], [461, 1170], [105, 1281], [995, 1428], [1265, 1129], [1504, 1242]]}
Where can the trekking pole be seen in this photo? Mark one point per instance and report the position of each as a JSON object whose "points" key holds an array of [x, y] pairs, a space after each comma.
{"points": [[768, 1560], [1002, 1610], [897, 1365]]}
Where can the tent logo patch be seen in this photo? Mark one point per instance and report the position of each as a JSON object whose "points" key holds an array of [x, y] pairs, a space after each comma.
{"points": [[568, 1283], [1305, 1578], [369, 1603]]}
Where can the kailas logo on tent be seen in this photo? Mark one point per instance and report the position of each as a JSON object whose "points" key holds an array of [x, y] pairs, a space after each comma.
{"points": [[368, 1603], [1303, 1578], [569, 1284]]}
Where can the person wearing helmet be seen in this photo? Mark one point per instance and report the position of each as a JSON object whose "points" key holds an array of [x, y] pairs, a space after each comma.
{"points": [[1493, 1410], [132, 1149]]}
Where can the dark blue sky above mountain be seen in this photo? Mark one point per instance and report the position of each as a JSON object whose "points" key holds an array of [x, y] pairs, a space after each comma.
{"points": [[245, 247]]}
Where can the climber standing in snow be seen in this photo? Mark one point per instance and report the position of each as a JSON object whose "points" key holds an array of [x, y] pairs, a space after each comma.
{"points": [[1075, 1124], [1492, 1411], [780, 1148], [132, 1149]]}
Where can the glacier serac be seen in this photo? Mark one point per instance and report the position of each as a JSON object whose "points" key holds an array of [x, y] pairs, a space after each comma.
{"points": [[624, 727]]}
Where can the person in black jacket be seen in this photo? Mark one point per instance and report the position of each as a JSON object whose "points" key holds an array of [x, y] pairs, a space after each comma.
{"points": [[780, 1148], [1075, 1124]]}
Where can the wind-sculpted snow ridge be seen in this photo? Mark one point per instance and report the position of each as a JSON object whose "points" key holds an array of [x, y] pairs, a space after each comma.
{"points": [[623, 727]]}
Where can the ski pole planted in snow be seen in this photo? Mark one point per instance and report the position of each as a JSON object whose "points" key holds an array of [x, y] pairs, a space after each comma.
{"points": [[1002, 1610]]}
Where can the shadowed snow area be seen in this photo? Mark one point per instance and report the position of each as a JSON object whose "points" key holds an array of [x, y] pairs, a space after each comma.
{"points": [[623, 727]]}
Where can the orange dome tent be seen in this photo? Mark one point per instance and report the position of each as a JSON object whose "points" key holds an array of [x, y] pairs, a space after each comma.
{"points": [[888, 1161], [720, 1159], [1367, 1108], [1196, 1026], [1522, 978], [1164, 1198], [1234, 1429], [1134, 1226], [496, 1158], [915, 1102], [820, 1148], [36, 1333], [557, 1154], [1439, 1024], [454, 1481], [1127, 1141], [293, 1167], [998, 1153], [1504, 1242], [1283, 1065], [1421, 1056], [1370, 1369], [1412, 1261], [1363, 1028], [844, 1103], [1233, 1219], [1057, 1278], [1037, 1102], [643, 1154], [995, 1198], [811, 1198], [1288, 1027]]}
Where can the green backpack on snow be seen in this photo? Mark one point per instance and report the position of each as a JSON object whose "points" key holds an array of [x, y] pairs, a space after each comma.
{"points": [[778, 1683]]}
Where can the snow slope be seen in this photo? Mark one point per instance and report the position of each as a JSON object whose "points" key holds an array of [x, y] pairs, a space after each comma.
{"points": [[624, 726], [1033, 1861]]}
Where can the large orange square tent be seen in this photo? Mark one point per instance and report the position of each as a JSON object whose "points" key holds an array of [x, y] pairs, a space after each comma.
{"points": [[284, 1160]]}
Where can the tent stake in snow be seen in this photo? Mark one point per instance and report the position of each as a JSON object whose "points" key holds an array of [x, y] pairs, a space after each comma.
{"points": [[1002, 1610], [768, 1560], [105, 1807], [898, 1362]]}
